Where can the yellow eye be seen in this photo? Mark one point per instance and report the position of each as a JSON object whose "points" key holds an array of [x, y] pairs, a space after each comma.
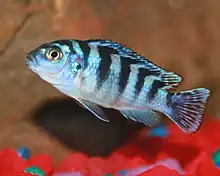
{"points": [[54, 54]]}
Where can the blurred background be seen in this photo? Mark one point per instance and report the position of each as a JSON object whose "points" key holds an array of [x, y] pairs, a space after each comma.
{"points": [[182, 36]]}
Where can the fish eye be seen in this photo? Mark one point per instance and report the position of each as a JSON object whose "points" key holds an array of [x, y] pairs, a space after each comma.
{"points": [[54, 54]]}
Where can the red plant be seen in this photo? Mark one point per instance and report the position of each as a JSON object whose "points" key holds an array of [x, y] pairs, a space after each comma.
{"points": [[192, 152]]}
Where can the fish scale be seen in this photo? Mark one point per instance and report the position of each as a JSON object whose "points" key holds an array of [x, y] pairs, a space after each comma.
{"points": [[103, 73], [128, 92], [110, 85]]}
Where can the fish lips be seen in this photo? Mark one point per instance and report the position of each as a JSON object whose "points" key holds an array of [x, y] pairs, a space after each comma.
{"points": [[31, 62], [30, 59]]}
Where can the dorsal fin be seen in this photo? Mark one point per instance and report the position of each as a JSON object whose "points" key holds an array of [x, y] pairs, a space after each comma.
{"points": [[169, 80]]}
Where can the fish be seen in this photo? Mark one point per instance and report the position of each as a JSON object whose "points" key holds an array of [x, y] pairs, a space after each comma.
{"points": [[100, 73]]}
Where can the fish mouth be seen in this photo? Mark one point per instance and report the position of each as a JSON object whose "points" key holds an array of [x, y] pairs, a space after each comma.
{"points": [[31, 62], [27, 61]]}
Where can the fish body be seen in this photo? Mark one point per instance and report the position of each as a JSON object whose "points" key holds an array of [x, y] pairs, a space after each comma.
{"points": [[102, 73]]}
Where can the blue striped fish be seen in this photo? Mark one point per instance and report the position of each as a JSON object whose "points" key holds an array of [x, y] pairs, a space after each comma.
{"points": [[102, 73]]}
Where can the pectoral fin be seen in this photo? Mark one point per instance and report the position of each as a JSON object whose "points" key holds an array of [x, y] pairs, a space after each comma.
{"points": [[150, 118], [94, 108]]}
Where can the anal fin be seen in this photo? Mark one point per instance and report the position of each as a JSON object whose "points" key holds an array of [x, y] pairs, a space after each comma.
{"points": [[149, 117], [94, 109]]}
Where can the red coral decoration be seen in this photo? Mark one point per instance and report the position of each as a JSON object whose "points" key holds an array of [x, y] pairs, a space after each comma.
{"points": [[73, 163], [143, 156], [11, 163], [43, 162]]}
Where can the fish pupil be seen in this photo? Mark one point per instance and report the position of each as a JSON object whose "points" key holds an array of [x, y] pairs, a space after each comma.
{"points": [[54, 54]]}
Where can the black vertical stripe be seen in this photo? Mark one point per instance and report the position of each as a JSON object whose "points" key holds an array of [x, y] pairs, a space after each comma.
{"points": [[86, 51], [169, 99], [65, 42], [125, 72], [154, 89], [104, 65], [142, 74], [172, 100]]}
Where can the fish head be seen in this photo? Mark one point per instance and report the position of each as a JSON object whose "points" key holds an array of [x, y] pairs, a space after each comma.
{"points": [[55, 62]]}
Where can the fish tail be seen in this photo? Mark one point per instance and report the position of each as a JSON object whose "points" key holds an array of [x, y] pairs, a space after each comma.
{"points": [[186, 108]]}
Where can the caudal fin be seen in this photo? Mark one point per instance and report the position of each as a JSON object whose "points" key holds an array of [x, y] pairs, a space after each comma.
{"points": [[187, 108]]}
